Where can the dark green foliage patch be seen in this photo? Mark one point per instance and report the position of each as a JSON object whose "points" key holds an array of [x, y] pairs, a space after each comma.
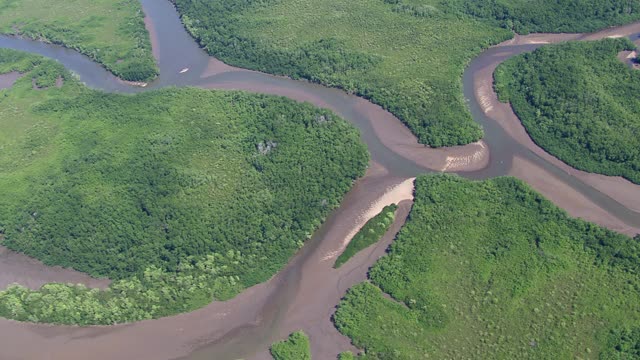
{"points": [[580, 103]]}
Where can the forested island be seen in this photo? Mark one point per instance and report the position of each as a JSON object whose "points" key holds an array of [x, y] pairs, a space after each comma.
{"points": [[296, 347], [580, 103], [370, 233], [181, 196], [490, 269], [111, 33], [405, 55]]}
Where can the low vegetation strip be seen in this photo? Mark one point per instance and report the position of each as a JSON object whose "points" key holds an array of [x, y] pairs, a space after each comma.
{"points": [[370, 233], [109, 32], [180, 196], [579, 103], [406, 55], [492, 270], [296, 347]]}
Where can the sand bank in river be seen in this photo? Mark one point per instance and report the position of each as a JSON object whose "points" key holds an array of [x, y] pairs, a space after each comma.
{"points": [[216, 67], [394, 195], [302, 296], [399, 139], [393, 134], [621, 190], [153, 36]]}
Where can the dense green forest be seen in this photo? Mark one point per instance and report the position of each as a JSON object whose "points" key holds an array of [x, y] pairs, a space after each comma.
{"points": [[110, 32], [405, 55], [527, 16], [370, 233], [491, 270], [580, 103], [296, 347], [180, 195]]}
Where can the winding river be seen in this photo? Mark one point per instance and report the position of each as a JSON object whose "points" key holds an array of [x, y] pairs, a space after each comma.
{"points": [[304, 294]]}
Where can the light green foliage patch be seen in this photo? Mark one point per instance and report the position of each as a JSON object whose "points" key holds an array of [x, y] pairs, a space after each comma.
{"points": [[492, 270], [347, 355], [110, 32], [180, 195], [296, 347], [370, 233], [580, 103]]}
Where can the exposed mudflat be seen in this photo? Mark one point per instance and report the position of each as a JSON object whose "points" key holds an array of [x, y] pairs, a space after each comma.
{"points": [[564, 196], [618, 188], [7, 80], [29, 272], [302, 296]]}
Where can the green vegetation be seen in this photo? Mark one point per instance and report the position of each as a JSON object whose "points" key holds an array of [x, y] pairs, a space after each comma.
{"points": [[110, 32], [580, 103], [180, 195], [347, 355], [527, 16], [491, 270], [296, 347], [370, 233], [405, 55], [623, 344]]}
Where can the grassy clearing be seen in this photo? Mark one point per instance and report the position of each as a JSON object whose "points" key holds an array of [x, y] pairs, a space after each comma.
{"points": [[405, 55], [110, 32], [580, 103], [370, 233], [180, 195], [296, 347], [492, 270]]}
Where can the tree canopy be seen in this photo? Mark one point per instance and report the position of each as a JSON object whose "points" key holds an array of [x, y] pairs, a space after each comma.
{"points": [[490, 269], [580, 103], [180, 195], [407, 56]]}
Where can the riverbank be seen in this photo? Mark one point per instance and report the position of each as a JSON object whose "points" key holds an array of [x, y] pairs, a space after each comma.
{"points": [[20, 269], [302, 295], [619, 189]]}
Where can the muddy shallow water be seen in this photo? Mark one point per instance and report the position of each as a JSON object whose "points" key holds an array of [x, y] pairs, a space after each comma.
{"points": [[303, 295]]}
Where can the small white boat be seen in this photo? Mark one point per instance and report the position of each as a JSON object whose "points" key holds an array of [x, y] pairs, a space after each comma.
{"points": [[184, 70]]}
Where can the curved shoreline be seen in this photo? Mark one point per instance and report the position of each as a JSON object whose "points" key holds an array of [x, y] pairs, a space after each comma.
{"points": [[20, 269], [306, 304], [304, 293], [618, 188]]}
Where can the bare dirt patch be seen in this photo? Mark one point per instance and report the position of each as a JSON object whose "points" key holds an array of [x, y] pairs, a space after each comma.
{"points": [[7, 80]]}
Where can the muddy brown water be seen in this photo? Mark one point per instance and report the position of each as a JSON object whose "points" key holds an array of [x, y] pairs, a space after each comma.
{"points": [[304, 294]]}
